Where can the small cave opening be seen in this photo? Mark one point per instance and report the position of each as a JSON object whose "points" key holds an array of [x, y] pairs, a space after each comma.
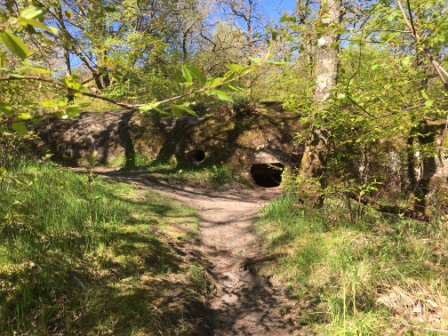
{"points": [[198, 156], [267, 175]]}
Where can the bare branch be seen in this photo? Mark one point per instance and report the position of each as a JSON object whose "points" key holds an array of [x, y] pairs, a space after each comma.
{"points": [[410, 23]]}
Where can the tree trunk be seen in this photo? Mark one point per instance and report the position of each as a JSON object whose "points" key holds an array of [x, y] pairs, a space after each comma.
{"points": [[316, 151], [423, 167]]}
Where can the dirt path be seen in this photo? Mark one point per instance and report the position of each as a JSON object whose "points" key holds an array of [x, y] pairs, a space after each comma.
{"points": [[245, 303]]}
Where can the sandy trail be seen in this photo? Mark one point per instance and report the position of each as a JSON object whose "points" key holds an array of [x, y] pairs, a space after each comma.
{"points": [[245, 303]]}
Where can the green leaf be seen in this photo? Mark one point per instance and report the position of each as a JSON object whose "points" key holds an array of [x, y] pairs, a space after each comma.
{"points": [[341, 96], [6, 108], [4, 131], [72, 111], [149, 107], [196, 73], [3, 171], [429, 103], [288, 18], [407, 60], [41, 69], [233, 88], [48, 103], [186, 109], [16, 76], [216, 81], [24, 116], [176, 111], [157, 109], [32, 12], [71, 83], [19, 127], [256, 60], [35, 23], [235, 67], [187, 74], [228, 76], [14, 44], [222, 95]]}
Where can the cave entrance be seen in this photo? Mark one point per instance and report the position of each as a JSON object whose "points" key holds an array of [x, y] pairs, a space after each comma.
{"points": [[198, 156], [267, 175]]}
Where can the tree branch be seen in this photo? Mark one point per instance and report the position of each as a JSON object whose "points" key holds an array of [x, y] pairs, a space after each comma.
{"points": [[410, 23], [36, 78]]}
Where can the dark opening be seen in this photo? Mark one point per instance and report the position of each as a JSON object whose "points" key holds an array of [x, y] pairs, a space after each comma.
{"points": [[267, 175], [198, 155]]}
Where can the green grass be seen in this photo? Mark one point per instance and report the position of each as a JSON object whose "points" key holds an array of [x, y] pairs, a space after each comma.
{"points": [[86, 257], [214, 174], [141, 162], [378, 275]]}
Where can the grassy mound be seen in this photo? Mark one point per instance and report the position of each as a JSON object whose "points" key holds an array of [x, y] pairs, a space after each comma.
{"points": [[358, 275], [82, 256]]}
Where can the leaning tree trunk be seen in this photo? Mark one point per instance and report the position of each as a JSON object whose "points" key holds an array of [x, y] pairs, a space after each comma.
{"points": [[316, 151]]}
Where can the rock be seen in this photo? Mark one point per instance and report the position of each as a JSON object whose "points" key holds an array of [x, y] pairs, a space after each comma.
{"points": [[236, 135]]}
